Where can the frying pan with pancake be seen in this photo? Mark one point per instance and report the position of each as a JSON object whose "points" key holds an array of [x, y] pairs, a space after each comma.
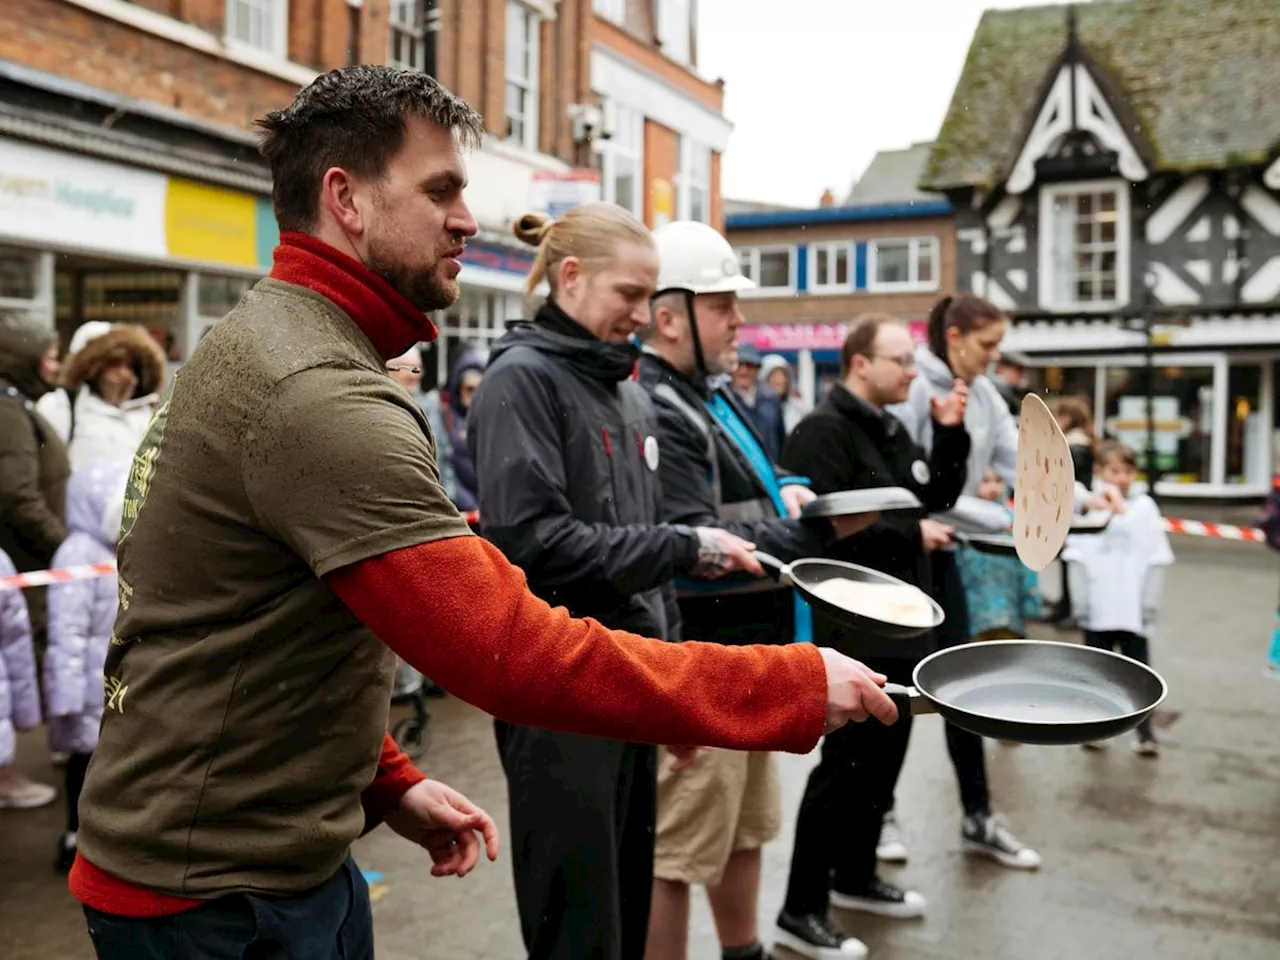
{"points": [[847, 503], [809, 575]]}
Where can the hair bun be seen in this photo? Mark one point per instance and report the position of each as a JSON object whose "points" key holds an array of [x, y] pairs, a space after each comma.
{"points": [[532, 228]]}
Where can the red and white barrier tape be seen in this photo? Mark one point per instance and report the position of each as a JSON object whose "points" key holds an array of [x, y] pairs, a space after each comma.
{"points": [[42, 578], [1220, 531]]}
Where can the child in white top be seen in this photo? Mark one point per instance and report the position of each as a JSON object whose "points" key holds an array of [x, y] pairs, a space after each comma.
{"points": [[1119, 572]]}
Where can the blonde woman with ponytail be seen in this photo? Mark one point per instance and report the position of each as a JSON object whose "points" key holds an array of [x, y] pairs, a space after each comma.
{"points": [[566, 453]]}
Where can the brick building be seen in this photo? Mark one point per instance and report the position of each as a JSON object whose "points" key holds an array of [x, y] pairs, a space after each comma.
{"points": [[887, 248], [131, 189]]}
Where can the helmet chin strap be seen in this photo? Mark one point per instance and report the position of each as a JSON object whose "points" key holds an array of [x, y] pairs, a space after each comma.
{"points": [[699, 360]]}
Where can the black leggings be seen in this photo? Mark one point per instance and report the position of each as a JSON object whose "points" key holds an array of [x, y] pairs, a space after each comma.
{"points": [[77, 766]]}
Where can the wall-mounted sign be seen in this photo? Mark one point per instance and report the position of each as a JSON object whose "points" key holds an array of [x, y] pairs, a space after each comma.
{"points": [[558, 193], [788, 337], [63, 199], [493, 257]]}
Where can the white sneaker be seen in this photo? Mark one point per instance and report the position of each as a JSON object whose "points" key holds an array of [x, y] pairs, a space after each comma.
{"points": [[1145, 747], [27, 796], [989, 836], [890, 848]]}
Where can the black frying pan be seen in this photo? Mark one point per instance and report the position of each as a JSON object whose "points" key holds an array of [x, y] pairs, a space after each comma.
{"points": [[1033, 691], [806, 574]]}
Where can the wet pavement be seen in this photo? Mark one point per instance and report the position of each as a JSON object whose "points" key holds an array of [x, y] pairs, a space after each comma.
{"points": [[1170, 858]]}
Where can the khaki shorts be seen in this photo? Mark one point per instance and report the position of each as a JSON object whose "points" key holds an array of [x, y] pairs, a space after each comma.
{"points": [[727, 801]]}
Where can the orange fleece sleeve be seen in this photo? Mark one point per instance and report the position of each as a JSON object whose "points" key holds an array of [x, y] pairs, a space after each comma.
{"points": [[460, 613], [396, 774]]}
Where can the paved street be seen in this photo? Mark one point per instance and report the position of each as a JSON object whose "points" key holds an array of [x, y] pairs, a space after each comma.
{"points": [[1174, 858]]}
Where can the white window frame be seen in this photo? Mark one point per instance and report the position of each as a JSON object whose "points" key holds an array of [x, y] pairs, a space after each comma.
{"points": [[830, 250], [668, 27], [1048, 195], [687, 181], [533, 22], [615, 151], [276, 12], [752, 268], [914, 285], [407, 21], [615, 11]]}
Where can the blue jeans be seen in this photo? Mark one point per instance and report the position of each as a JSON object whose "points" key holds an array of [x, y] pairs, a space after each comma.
{"points": [[334, 921]]}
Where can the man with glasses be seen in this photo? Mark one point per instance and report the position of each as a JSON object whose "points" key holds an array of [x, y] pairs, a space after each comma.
{"points": [[851, 442]]}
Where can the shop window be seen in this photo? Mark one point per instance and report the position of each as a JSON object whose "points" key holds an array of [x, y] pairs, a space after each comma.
{"points": [[772, 268], [693, 181], [522, 74], [1084, 246], [408, 23], [1184, 406], [263, 24], [612, 10], [675, 29], [829, 268], [19, 274], [909, 264], [1248, 448], [620, 159], [217, 295]]}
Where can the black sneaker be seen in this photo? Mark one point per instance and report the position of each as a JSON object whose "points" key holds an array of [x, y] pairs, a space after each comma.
{"points": [[989, 836], [882, 899], [817, 937]]}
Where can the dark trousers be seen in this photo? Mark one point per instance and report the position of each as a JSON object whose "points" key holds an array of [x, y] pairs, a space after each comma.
{"points": [[965, 749], [334, 921], [582, 826], [1132, 645], [844, 802], [77, 767]]}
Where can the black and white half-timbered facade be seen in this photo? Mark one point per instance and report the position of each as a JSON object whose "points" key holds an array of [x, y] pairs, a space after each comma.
{"points": [[1114, 171]]}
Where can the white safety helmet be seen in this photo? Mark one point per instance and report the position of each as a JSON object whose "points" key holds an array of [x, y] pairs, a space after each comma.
{"points": [[694, 257]]}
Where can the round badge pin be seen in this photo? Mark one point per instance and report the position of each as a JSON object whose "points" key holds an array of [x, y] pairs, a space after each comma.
{"points": [[920, 471], [651, 452]]}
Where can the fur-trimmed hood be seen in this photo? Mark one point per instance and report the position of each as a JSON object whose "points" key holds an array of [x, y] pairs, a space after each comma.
{"points": [[148, 359]]}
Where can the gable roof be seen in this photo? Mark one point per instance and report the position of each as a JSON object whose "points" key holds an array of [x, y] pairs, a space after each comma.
{"points": [[1200, 78], [891, 177]]}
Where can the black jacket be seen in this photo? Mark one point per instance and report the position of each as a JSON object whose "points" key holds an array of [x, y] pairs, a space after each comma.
{"points": [[846, 444], [559, 434], [722, 491]]}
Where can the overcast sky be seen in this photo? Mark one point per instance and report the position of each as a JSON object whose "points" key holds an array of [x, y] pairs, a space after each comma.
{"points": [[815, 93]]}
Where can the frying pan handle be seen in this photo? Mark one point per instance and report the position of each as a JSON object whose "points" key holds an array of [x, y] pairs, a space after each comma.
{"points": [[909, 699], [772, 566]]}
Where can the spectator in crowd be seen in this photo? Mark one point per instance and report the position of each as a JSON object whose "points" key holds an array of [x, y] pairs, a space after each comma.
{"points": [[33, 459], [81, 616], [111, 381], [1011, 376], [760, 402], [779, 375], [19, 698]]}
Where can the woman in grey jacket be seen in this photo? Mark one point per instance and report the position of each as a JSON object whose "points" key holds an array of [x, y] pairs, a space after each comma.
{"points": [[964, 340]]}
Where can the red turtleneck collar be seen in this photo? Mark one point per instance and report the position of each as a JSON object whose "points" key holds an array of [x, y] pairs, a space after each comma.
{"points": [[385, 315]]}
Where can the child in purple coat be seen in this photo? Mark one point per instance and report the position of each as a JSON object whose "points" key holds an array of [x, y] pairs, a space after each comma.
{"points": [[81, 616], [19, 697]]}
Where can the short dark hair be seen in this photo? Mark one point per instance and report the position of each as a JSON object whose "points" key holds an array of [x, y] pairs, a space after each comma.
{"points": [[353, 118], [1115, 450], [862, 337]]}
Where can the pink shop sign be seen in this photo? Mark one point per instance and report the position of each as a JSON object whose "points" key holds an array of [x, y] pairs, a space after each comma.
{"points": [[788, 337]]}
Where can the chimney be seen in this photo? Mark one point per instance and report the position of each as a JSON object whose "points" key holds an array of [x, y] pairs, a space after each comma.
{"points": [[828, 198]]}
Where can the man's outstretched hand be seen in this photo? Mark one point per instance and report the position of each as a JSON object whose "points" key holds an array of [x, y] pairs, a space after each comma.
{"points": [[853, 692], [446, 824]]}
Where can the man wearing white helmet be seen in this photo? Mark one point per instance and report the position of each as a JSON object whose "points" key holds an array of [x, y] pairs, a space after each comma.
{"points": [[716, 814]]}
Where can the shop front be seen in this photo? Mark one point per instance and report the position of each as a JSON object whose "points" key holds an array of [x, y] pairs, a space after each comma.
{"points": [[83, 239], [812, 349], [1214, 414]]}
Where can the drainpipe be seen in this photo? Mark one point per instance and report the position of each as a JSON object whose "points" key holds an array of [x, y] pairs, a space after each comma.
{"points": [[353, 31], [431, 24]]}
